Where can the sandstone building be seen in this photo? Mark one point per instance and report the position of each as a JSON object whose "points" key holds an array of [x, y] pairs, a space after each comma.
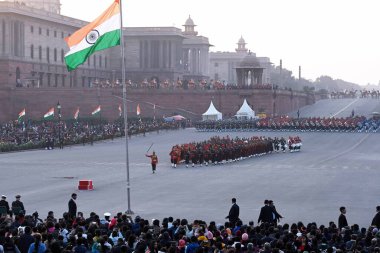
{"points": [[32, 50]]}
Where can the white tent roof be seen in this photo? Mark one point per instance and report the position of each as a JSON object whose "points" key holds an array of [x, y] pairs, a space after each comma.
{"points": [[213, 111], [245, 111]]}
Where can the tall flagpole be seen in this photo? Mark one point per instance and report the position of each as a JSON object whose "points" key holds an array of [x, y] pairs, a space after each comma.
{"points": [[129, 211]]}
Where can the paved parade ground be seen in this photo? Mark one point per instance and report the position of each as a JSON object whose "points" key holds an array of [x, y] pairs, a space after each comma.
{"points": [[332, 169]]}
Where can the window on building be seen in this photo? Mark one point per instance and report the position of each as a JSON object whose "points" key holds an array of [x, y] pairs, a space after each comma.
{"points": [[62, 55], [105, 62], [17, 38], [47, 32], [100, 61], [32, 51], [3, 27], [94, 60], [55, 54], [62, 35], [48, 54], [39, 30], [40, 52], [56, 80], [216, 64], [55, 34], [48, 79], [31, 29], [41, 79]]}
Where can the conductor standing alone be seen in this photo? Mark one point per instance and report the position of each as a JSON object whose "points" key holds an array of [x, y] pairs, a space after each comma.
{"points": [[154, 161], [233, 215], [73, 206]]}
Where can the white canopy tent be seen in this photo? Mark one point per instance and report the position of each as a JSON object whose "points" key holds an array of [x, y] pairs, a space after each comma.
{"points": [[245, 112], [212, 113]]}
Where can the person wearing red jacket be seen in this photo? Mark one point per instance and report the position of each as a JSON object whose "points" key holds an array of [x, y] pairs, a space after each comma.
{"points": [[174, 157], [154, 161]]}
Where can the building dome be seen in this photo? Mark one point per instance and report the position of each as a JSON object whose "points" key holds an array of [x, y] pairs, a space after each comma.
{"points": [[189, 28], [189, 22], [250, 61], [241, 40]]}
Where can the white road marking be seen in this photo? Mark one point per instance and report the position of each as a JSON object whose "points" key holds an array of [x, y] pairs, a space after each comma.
{"points": [[344, 108]]}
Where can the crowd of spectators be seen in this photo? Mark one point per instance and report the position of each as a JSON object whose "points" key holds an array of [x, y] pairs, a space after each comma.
{"points": [[193, 85], [364, 93], [123, 234], [47, 134], [172, 85]]}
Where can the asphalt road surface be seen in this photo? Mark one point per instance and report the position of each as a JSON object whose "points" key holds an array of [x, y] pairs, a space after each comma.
{"points": [[340, 108], [332, 169]]}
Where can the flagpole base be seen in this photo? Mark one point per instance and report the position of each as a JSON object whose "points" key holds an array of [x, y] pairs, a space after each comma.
{"points": [[129, 212]]}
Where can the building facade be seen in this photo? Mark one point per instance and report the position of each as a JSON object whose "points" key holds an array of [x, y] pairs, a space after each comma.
{"points": [[32, 50], [223, 65]]}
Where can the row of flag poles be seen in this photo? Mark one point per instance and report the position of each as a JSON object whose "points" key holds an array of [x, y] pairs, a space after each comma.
{"points": [[50, 113]]}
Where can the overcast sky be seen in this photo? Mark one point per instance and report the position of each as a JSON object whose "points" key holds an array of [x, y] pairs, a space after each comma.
{"points": [[339, 38]]}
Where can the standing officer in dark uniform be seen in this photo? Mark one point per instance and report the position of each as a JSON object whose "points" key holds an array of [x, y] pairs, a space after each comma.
{"points": [[233, 215], [276, 216], [342, 220], [60, 142], [4, 203], [18, 206], [376, 218], [266, 213], [73, 206]]}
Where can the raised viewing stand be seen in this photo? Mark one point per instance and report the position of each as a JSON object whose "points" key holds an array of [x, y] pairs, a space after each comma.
{"points": [[189, 103]]}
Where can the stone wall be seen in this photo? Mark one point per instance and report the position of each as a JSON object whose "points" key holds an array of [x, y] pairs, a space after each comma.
{"points": [[189, 103]]}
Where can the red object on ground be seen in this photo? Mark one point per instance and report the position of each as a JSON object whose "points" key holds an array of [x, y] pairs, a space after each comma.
{"points": [[85, 184]]}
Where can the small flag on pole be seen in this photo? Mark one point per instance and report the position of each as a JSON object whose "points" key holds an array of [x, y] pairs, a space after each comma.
{"points": [[120, 111], [49, 114], [138, 111], [96, 111], [21, 115], [76, 114]]}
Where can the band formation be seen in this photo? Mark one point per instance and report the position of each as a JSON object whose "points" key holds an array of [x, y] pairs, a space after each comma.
{"points": [[221, 150], [285, 123]]}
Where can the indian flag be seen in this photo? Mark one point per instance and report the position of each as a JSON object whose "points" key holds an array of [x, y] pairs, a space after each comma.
{"points": [[49, 114], [21, 115], [96, 111], [138, 111], [76, 114], [102, 33]]}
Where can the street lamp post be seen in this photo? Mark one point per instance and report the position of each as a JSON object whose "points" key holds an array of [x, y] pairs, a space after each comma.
{"points": [[59, 126]]}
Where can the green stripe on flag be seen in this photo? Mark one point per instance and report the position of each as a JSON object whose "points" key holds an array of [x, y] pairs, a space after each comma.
{"points": [[105, 41]]}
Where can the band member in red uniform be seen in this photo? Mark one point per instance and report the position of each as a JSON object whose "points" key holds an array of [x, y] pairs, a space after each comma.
{"points": [[174, 157], [154, 161]]}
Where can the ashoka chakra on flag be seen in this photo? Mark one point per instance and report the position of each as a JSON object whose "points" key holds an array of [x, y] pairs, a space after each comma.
{"points": [[92, 37]]}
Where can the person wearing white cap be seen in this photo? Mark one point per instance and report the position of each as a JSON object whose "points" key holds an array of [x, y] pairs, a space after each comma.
{"points": [[4, 203], [106, 219]]}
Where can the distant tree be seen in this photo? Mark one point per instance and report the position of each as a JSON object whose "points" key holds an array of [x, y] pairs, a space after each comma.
{"points": [[326, 83]]}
